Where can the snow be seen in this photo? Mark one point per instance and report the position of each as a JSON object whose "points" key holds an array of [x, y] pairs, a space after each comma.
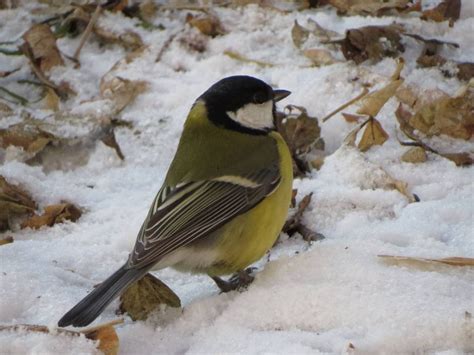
{"points": [[317, 298]]}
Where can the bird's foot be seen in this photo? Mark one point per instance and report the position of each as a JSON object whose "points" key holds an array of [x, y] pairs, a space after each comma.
{"points": [[240, 280]]}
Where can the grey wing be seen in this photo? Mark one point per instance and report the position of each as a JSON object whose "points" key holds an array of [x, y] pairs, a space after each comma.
{"points": [[190, 211]]}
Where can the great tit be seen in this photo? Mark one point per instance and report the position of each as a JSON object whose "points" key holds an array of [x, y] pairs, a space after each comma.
{"points": [[225, 197]]}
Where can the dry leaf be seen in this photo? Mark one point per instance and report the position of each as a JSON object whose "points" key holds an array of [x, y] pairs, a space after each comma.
{"points": [[51, 100], [294, 224], [451, 116], [374, 101], [299, 34], [413, 261], [404, 116], [106, 336], [319, 57], [6, 240], [120, 92], [145, 296], [373, 134], [446, 10], [104, 333], [302, 134], [372, 42], [128, 39], [351, 118], [208, 25], [42, 44], [13, 202], [414, 155], [368, 7], [30, 138], [53, 214]]}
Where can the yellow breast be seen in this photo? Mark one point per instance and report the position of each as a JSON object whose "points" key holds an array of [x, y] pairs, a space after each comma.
{"points": [[246, 238]]}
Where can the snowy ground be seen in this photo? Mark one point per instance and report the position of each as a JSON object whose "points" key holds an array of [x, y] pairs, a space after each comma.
{"points": [[316, 298]]}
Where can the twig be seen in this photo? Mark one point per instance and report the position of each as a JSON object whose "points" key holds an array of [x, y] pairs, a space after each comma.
{"points": [[25, 48], [165, 46], [340, 108], [86, 33], [19, 98]]}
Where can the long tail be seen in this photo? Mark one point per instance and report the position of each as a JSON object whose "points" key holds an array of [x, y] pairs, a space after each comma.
{"points": [[94, 303]]}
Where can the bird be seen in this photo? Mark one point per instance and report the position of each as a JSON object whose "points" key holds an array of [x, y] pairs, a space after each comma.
{"points": [[224, 199]]}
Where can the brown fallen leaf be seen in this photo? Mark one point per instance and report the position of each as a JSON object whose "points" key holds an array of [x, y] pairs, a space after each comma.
{"points": [[372, 42], [403, 117], [368, 7], [351, 118], [145, 296], [302, 134], [451, 116], [51, 100], [14, 202], [104, 333], [445, 10], [373, 134], [42, 43], [374, 101], [53, 214], [299, 34], [207, 24], [414, 261], [129, 40], [121, 92], [319, 56], [294, 224], [414, 155], [30, 138], [6, 240]]}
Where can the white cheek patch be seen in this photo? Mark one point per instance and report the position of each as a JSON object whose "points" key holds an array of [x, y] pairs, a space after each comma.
{"points": [[256, 116]]}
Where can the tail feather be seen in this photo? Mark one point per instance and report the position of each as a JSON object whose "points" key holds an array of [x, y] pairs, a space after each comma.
{"points": [[94, 303]]}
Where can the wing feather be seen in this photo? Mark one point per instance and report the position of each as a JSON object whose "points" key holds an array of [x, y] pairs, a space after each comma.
{"points": [[190, 211]]}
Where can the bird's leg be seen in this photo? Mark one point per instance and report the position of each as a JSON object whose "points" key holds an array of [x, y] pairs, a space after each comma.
{"points": [[239, 280]]}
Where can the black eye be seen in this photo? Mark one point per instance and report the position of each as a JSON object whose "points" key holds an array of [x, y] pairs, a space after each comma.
{"points": [[260, 97]]}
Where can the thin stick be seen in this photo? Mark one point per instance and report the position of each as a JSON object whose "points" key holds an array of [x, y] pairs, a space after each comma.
{"points": [[358, 97], [87, 32]]}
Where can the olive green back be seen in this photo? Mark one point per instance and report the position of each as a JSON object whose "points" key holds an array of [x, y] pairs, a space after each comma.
{"points": [[206, 151]]}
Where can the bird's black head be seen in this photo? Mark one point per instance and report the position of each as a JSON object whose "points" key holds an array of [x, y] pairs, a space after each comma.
{"points": [[242, 103]]}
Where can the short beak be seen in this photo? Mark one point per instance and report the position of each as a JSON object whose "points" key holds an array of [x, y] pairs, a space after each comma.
{"points": [[280, 94]]}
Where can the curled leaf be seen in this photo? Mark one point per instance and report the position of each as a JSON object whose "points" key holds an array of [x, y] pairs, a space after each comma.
{"points": [[368, 7], [302, 134], [13, 202], [53, 214], [206, 24], [145, 296], [319, 57], [404, 116], [120, 92], [414, 155], [372, 42], [42, 44], [445, 10], [373, 134]]}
